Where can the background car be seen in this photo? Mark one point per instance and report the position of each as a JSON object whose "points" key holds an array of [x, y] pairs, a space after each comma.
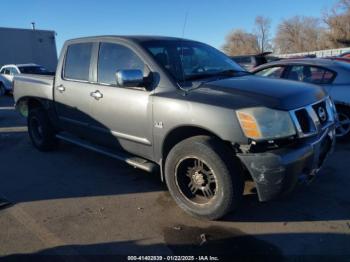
{"points": [[345, 55], [332, 74], [249, 62], [7, 73]]}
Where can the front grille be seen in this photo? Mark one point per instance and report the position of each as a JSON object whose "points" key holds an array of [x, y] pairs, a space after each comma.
{"points": [[321, 112], [304, 120], [310, 120]]}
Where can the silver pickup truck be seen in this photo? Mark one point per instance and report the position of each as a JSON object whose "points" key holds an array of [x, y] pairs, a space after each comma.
{"points": [[185, 110]]}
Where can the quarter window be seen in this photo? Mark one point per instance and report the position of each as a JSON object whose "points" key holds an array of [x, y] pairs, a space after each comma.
{"points": [[77, 65], [114, 57]]}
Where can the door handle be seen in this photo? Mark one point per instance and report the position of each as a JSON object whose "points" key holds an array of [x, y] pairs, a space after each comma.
{"points": [[97, 95], [61, 88]]}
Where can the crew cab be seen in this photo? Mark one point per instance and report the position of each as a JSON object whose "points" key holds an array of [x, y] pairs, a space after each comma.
{"points": [[184, 110]]}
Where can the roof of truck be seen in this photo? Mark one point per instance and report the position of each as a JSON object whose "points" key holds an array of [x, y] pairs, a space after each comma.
{"points": [[135, 38]]}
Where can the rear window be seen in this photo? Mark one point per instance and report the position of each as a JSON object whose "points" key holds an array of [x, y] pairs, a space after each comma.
{"points": [[77, 63], [311, 74], [33, 70]]}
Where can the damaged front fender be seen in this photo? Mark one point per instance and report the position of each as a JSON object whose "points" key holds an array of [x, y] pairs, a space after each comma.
{"points": [[278, 171]]}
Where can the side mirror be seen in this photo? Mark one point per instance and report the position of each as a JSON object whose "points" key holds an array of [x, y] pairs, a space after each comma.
{"points": [[130, 78]]}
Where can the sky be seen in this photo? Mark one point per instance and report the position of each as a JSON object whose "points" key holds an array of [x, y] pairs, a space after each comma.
{"points": [[208, 21]]}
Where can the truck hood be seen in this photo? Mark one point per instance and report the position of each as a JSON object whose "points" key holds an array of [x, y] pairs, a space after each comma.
{"points": [[250, 91]]}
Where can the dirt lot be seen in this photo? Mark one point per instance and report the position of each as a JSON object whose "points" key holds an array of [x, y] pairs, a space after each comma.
{"points": [[76, 203]]}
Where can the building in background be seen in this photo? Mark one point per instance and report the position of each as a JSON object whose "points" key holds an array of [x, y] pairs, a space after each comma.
{"points": [[21, 46]]}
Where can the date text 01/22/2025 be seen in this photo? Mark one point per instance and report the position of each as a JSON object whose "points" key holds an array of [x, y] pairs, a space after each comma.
{"points": [[173, 258]]}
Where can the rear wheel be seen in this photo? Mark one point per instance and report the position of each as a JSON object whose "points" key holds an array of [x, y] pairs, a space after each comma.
{"points": [[201, 179], [343, 128], [40, 130]]}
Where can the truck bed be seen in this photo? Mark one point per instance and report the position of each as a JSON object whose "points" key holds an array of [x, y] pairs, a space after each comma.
{"points": [[39, 86]]}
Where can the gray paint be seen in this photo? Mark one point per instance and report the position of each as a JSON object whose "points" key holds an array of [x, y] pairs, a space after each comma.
{"points": [[23, 46], [139, 120]]}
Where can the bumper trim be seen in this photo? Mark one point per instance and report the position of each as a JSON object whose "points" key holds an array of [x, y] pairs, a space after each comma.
{"points": [[277, 172]]}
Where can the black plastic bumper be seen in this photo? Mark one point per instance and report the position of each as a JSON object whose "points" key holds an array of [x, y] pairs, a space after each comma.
{"points": [[278, 171]]}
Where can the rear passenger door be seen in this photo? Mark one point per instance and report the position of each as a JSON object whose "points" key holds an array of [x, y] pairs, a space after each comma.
{"points": [[73, 88], [123, 115]]}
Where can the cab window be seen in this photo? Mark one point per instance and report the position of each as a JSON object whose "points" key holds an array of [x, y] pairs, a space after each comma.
{"points": [[77, 62], [115, 57]]}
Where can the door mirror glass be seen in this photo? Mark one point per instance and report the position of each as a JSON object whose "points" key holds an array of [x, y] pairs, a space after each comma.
{"points": [[130, 78]]}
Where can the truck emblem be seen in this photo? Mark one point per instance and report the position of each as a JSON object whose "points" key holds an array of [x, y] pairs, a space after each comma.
{"points": [[322, 113], [158, 124]]}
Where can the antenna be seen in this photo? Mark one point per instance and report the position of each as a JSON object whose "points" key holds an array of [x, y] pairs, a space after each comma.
{"points": [[184, 26], [182, 52]]}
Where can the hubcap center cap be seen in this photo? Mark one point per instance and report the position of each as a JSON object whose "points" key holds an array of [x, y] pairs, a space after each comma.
{"points": [[198, 178]]}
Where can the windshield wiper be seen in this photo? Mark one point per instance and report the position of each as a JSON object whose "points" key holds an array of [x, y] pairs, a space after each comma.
{"points": [[229, 72]]}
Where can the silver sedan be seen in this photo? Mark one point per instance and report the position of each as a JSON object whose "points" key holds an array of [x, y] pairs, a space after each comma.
{"points": [[333, 75]]}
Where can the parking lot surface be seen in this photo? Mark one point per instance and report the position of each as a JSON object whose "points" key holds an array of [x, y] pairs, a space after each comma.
{"points": [[73, 202]]}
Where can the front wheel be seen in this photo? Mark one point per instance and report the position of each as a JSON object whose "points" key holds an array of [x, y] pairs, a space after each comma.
{"points": [[203, 181], [343, 128]]}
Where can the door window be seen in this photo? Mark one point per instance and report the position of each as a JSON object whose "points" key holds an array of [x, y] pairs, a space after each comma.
{"points": [[77, 63], [273, 72], [311, 74], [13, 71], [115, 57]]}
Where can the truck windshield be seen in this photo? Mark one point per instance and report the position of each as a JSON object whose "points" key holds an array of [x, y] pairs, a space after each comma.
{"points": [[192, 61]]}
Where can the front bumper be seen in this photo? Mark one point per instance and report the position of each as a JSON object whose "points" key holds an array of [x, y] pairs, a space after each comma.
{"points": [[277, 171]]}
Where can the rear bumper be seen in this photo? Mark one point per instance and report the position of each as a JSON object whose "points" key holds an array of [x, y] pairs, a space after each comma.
{"points": [[277, 172]]}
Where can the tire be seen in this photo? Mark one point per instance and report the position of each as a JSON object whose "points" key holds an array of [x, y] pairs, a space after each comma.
{"points": [[189, 167], [343, 130], [2, 90], [40, 130]]}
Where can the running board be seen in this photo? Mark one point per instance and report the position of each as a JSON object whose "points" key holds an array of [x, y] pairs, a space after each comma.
{"points": [[136, 162]]}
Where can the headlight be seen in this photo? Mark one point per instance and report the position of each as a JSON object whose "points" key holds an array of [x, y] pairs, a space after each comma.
{"points": [[262, 123]]}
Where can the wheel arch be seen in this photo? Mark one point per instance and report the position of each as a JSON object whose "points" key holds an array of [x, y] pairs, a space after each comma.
{"points": [[180, 133], [24, 104]]}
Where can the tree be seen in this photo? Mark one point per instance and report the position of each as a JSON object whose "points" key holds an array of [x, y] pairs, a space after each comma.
{"points": [[338, 21], [300, 34], [262, 32], [240, 42]]}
